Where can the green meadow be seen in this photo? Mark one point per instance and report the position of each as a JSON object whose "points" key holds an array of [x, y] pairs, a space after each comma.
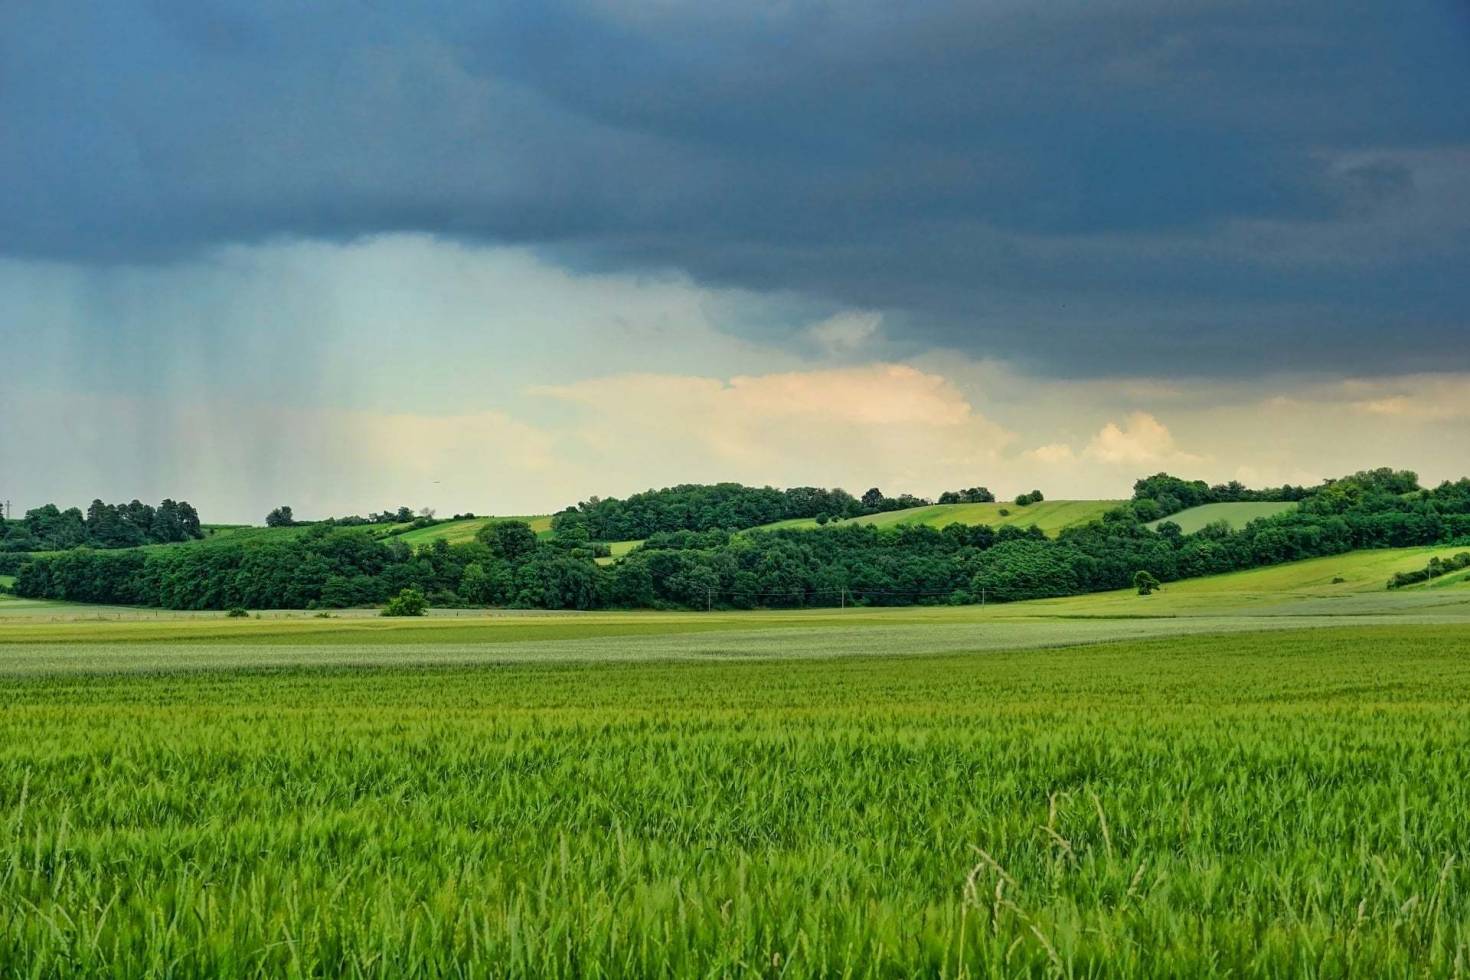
{"points": [[1052, 516], [464, 531], [1237, 514], [1252, 775]]}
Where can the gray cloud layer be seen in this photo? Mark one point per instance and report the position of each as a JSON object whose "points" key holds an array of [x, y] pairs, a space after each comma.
{"points": [[1192, 188]]}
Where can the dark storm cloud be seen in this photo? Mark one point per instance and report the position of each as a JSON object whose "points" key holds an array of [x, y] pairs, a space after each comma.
{"points": [[1189, 187]]}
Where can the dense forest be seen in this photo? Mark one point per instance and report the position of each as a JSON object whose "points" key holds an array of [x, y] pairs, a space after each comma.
{"points": [[694, 567], [50, 528]]}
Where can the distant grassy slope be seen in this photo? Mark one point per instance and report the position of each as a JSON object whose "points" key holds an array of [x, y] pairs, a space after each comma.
{"points": [[1456, 579], [1236, 515], [235, 534], [1306, 588], [460, 532], [619, 549], [1052, 516]]}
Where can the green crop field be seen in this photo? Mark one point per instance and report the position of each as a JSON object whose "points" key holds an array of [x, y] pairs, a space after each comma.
{"points": [[1237, 515], [1052, 516], [1258, 804], [1256, 774]]}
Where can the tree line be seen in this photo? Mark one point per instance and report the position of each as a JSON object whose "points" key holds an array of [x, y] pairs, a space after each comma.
{"points": [[733, 507], [329, 566], [1161, 495], [49, 528]]}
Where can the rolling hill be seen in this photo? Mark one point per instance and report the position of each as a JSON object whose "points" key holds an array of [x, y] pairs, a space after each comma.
{"points": [[1237, 515], [1052, 516], [460, 532], [1350, 584]]}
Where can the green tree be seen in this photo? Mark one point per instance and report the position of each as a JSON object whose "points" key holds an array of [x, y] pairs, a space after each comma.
{"points": [[514, 541], [1145, 582], [280, 517], [409, 602]]}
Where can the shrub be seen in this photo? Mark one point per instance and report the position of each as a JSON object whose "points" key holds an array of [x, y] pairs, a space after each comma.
{"points": [[409, 602], [238, 612]]}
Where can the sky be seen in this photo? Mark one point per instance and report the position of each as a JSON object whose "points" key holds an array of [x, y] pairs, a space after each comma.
{"points": [[503, 257]]}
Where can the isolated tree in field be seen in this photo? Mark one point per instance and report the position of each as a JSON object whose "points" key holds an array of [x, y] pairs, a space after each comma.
{"points": [[822, 520], [409, 602], [1145, 582], [280, 517], [1023, 499]]}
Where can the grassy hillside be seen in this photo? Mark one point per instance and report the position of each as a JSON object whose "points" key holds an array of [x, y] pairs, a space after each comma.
{"points": [[1353, 584], [1456, 579], [1052, 516], [1237, 515], [619, 549], [460, 532]]}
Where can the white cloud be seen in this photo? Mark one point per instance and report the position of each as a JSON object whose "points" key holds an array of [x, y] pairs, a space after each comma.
{"points": [[851, 427], [1422, 398], [1054, 452], [847, 332], [1141, 439]]}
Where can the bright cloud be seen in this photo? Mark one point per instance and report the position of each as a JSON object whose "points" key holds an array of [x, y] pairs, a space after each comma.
{"points": [[1141, 439], [839, 426]]}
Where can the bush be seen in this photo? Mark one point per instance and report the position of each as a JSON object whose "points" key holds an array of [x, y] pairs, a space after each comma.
{"points": [[238, 612], [409, 602]]}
